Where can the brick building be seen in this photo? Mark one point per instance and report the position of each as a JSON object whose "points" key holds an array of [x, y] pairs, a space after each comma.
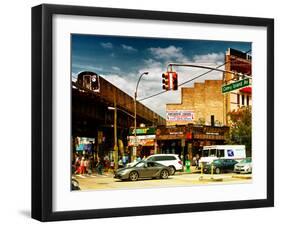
{"points": [[239, 62], [203, 103]]}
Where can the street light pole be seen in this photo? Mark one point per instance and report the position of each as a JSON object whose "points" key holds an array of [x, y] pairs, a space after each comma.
{"points": [[115, 109], [135, 126]]}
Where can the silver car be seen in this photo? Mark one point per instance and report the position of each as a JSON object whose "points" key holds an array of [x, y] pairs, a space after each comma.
{"points": [[143, 169], [245, 166]]}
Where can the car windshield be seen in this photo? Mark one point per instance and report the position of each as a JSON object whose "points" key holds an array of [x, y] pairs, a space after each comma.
{"points": [[247, 160]]}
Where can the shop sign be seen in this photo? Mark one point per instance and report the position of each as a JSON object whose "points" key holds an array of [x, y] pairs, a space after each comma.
{"points": [[142, 131], [179, 115], [208, 137], [142, 142], [142, 137]]}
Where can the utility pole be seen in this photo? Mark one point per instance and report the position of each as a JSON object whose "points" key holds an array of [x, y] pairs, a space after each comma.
{"points": [[135, 124]]}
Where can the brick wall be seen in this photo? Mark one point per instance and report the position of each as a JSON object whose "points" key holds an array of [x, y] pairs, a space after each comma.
{"points": [[204, 99]]}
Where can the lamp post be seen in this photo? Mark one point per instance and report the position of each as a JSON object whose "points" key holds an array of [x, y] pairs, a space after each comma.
{"points": [[135, 124]]}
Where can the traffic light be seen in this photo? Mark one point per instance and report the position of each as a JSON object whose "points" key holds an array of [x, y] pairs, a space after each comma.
{"points": [[175, 80], [166, 81]]}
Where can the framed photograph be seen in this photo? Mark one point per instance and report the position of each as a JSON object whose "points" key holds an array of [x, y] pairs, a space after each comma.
{"points": [[145, 112]]}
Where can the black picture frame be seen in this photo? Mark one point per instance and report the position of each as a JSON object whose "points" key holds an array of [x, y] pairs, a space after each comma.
{"points": [[42, 108]]}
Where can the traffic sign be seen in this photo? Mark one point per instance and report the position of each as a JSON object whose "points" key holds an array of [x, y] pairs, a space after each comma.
{"points": [[235, 85]]}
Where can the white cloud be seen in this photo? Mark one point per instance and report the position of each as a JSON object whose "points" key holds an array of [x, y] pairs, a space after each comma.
{"points": [[87, 67], [116, 68], [168, 53], [107, 45], [209, 58], [124, 83], [129, 48]]}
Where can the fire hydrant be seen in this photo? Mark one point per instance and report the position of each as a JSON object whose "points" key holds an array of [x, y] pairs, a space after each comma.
{"points": [[187, 166]]}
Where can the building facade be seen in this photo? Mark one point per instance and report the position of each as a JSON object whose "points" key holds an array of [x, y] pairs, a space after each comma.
{"points": [[240, 62], [203, 103]]}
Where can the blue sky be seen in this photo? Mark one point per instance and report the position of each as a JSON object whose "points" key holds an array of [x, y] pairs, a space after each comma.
{"points": [[121, 60]]}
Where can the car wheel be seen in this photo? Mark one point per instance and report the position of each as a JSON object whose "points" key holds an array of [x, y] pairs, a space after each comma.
{"points": [[134, 176], [218, 170], [172, 170], [164, 174]]}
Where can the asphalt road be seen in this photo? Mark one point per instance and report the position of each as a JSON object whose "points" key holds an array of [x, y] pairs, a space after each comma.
{"points": [[107, 182]]}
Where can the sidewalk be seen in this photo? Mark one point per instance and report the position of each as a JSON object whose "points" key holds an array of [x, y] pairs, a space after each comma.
{"points": [[193, 170]]}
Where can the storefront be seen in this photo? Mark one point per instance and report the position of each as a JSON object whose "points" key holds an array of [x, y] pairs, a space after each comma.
{"points": [[188, 140], [145, 141]]}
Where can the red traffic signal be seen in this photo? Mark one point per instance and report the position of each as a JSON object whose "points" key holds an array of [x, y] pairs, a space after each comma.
{"points": [[166, 81], [174, 80], [170, 81]]}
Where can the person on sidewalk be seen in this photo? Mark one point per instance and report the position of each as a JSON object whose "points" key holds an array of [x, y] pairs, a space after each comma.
{"points": [[99, 166]]}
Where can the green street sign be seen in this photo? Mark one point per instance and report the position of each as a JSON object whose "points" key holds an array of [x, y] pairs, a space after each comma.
{"points": [[142, 131], [235, 85]]}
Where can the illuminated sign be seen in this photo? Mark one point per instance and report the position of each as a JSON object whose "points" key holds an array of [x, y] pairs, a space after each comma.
{"points": [[142, 131]]}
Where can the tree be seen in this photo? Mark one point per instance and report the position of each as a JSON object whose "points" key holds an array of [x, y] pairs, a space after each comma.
{"points": [[241, 128]]}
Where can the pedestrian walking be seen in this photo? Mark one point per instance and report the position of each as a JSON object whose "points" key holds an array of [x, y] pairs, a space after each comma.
{"points": [[82, 165], [197, 161], [120, 163], [86, 165], [99, 166]]}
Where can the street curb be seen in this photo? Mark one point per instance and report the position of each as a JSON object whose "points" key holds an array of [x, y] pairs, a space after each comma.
{"points": [[242, 177], [214, 179]]}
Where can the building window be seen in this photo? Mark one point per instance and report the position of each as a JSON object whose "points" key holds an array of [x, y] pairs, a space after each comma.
{"points": [[243, 100], [238, 99], [212, 120], [248, 100]]}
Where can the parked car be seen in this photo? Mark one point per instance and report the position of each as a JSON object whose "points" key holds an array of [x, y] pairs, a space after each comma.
{"points": [[245, 166], [143, 169], [220, 166], [171, 160], [74, 184]]}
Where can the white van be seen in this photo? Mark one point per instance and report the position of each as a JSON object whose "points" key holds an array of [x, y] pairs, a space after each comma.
{"points": [[210, 153]]}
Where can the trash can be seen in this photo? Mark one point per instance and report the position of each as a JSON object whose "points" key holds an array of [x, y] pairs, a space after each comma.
{"points": [[187, 166]]}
